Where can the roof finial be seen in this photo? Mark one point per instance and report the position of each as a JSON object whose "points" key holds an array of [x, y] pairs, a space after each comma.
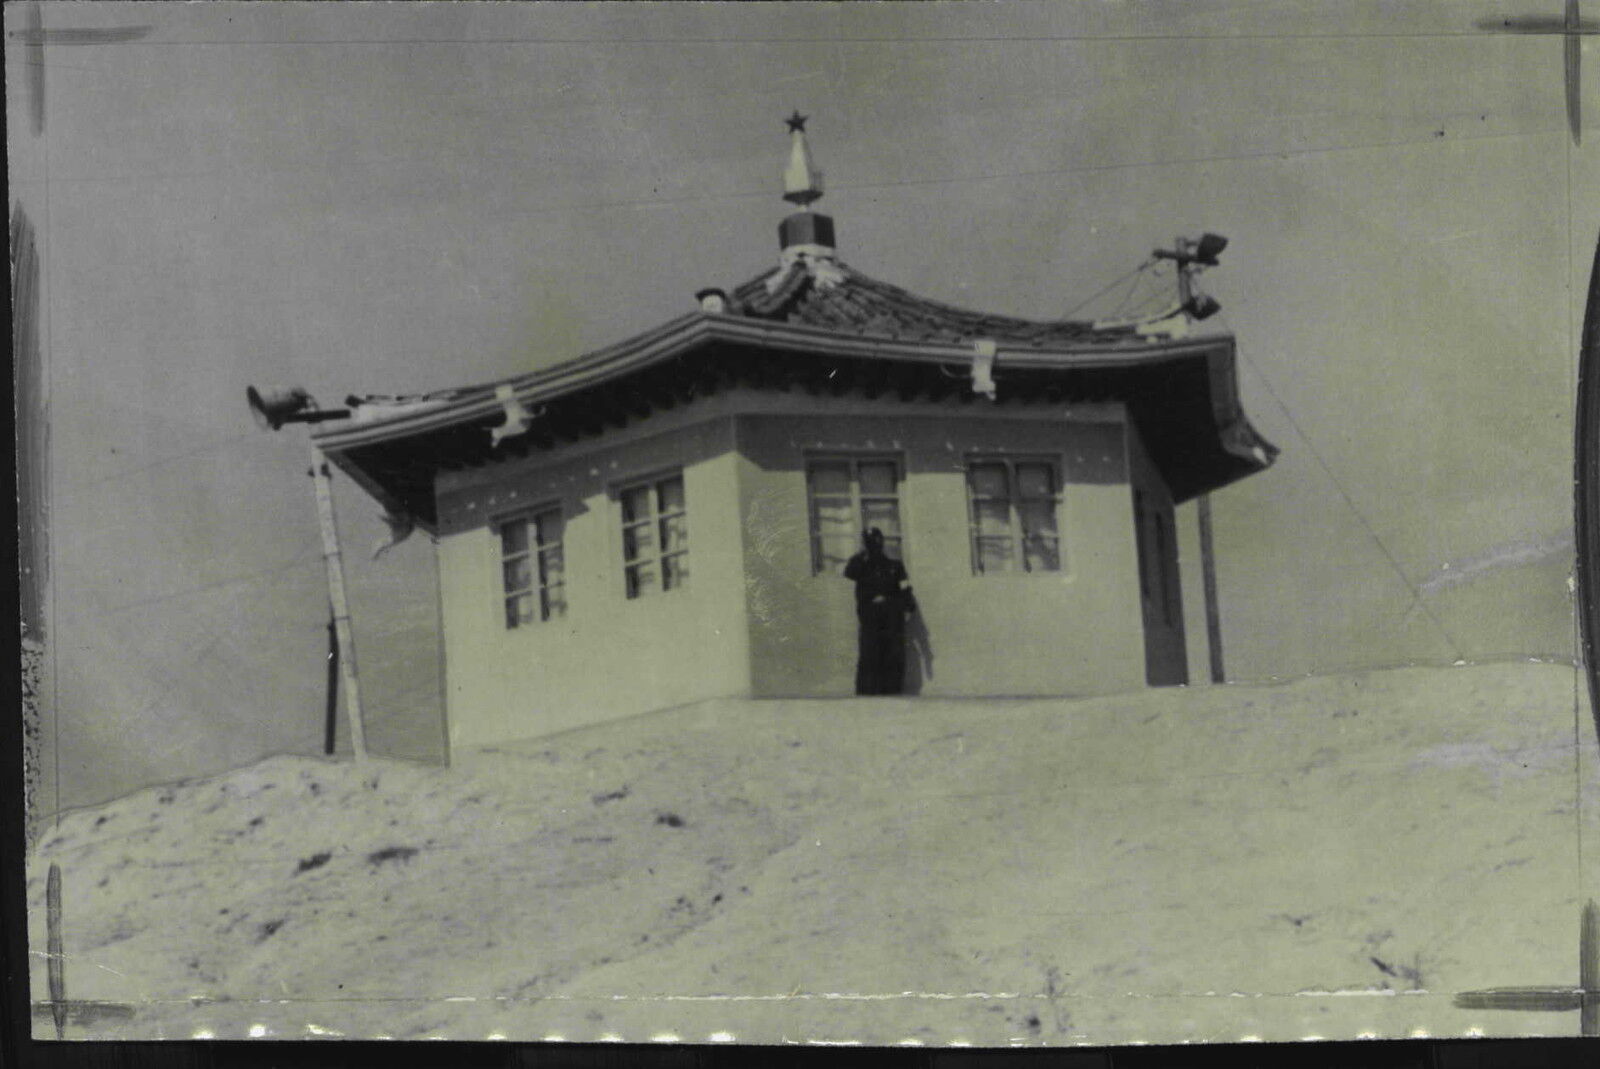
{"points": [[802, 181]]}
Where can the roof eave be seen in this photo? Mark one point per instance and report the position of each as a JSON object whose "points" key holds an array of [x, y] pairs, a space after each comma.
{"points": [[687, 332]]}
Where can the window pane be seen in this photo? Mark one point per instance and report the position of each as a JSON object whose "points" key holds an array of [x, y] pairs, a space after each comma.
{"points": [[671, 491], [884, 515], [829, 479], [833, 518], [988, 480], [550, 527], [1014, 521], [1042, 555], [636, 504], [641, 579], [877, 476], [654, 524], [553, 601], [552, 566], [674, 534], [638, 541], [519, 610], [518, 576], [513, 537], [994, 554], [1038, 517], [834, 552], [991, 517], [1035, 480], [674, 571]]}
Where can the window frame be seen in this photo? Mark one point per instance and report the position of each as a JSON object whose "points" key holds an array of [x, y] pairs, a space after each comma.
{"points": [[1016, 535], [551, 596], [656, 522], [855, 459]]}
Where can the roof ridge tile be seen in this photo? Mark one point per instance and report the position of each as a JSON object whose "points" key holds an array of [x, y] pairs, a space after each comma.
{"points": [[832, 295]]}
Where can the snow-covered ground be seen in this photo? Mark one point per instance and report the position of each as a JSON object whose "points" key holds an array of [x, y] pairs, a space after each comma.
{"points": [[1333, 857]]}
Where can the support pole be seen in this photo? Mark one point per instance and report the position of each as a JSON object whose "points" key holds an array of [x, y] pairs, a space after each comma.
{"points": [[341, 607], [1208, 572], [331, 721]]}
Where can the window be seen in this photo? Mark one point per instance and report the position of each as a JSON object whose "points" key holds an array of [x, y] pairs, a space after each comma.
{"points": [[849, 496], [533, 567], [655, 536], [1014, 504]]}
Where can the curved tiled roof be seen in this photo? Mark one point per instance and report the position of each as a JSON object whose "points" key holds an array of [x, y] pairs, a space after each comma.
{"points": [[833, 296], [816, 324]]}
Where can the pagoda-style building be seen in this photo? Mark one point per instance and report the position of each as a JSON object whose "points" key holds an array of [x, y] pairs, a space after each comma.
{"points": [[667, 519]]}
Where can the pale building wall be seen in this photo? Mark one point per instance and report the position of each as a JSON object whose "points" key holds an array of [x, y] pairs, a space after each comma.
{"points": [[609, 656], [752, 618], [1077, 631]]}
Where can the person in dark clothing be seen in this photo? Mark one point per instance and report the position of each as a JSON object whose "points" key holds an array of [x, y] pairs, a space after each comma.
{"points": [[881, 608]]}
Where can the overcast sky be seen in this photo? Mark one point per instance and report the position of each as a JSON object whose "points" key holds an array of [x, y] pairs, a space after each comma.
{"points": [[399, 197]]}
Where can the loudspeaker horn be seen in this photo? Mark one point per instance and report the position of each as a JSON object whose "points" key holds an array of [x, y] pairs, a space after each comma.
{"points": [[272, 408]]}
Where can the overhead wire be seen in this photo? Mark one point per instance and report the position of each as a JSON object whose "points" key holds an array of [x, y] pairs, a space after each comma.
{"points": [[1107, 288], [1157, 296], [210, 447], [1418, 602], [300, 559], [1127, 294], [1429, 138]]}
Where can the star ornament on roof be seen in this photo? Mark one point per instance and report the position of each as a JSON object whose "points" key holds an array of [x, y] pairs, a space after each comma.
{"points": [[802, 181]]}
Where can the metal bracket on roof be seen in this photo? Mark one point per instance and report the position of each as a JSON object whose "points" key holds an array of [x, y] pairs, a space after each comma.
{"points": [[1174, 324], [517, 417], [983, 353]]}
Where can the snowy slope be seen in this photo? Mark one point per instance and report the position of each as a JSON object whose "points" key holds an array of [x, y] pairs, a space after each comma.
{"points": [[1333, 857]]}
